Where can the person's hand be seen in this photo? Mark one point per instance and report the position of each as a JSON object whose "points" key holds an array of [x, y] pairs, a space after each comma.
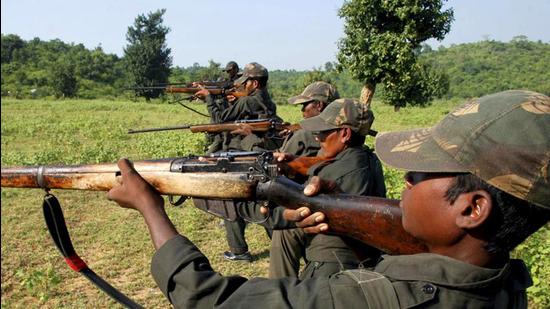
{"points": [[284, 132], [310, 223], [244, 129], [230, 98], [134, 192], [201, 94], [317, 185], [283, 156]]}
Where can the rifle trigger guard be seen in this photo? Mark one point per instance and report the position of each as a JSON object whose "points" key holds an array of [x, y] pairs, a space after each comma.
{"points": [[180, 200]]}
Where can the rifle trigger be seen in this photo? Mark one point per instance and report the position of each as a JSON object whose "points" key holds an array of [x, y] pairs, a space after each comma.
{"points": [[180, 200]]}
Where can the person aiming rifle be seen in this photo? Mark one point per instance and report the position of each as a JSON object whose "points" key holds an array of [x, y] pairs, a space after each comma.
{"points": [[477, 185], [257, 104]]}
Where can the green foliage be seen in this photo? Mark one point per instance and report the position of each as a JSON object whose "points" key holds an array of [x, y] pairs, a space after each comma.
{"points": [[466, 70], [115, 241], [535, 251], [424, 83], [476, 69], [37, 69], [39, 283], [380, 39], [147, 55], [63, 79]]}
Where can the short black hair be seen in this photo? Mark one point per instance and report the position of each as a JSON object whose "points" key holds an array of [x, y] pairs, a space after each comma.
{"points": [[356, 139], [512, 219], [262, 81]]}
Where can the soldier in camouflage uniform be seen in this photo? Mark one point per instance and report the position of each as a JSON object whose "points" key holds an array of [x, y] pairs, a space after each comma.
{"points": [[479, 184], [341, 129], [256, 105], [288, 245], [216, 139]]}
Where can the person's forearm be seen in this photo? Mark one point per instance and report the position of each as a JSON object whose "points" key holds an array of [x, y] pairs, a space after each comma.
{"points": [[160, 227]]}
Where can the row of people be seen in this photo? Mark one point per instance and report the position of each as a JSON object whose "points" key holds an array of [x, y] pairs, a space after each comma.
{"points": [[477, 185]]}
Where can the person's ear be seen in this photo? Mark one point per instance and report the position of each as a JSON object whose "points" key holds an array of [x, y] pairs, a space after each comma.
{"points": [[256, 83], [474, 209], [319, 106], [345, 135]]}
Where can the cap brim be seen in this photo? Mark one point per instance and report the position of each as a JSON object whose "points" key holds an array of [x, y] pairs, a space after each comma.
{"points": [[300, 99], [316, 124], [415, 150], [240, 80]]}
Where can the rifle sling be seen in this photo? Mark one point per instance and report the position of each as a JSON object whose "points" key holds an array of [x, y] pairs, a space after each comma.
{"points": [[191, 109], [55, 221]]}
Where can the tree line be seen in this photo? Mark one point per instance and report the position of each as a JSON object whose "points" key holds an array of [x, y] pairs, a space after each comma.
{"points": [[41, 69]]}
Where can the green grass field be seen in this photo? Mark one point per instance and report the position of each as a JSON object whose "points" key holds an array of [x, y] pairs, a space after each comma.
{"points": [[114, 241]]}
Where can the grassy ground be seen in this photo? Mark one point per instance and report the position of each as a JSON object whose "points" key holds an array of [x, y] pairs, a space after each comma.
{"points": [[114, 241]]}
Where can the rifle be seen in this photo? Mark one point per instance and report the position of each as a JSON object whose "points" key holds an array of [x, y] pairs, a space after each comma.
{"points": [[214, 90], [257, 125], [374, 221]]}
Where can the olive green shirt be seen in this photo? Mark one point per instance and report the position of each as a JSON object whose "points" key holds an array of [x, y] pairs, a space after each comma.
{"points": [[301, 143], [356, 170], [255, 106], [185, 276]]}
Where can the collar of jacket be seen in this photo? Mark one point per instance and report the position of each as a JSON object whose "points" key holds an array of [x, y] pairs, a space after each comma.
{"points": [[445, 271]]}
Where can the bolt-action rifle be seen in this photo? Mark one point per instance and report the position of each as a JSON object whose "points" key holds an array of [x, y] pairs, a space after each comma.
{"points": [[214, 90], [256, 125], [248, 177]]}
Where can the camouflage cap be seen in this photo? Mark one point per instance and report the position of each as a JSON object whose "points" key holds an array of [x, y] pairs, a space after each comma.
{"points": [[252, 70], [230, 66], [502, 138], [341, 113], [317, 91]]}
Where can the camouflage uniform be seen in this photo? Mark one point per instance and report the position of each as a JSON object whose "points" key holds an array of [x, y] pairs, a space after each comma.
{"points": [[482, 138]]}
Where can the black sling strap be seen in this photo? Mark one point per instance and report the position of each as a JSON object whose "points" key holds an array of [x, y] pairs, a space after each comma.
{"points": [[60, 235]]}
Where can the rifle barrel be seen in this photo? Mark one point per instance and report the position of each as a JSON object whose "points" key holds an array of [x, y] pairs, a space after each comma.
{"points": [[132, 131]]}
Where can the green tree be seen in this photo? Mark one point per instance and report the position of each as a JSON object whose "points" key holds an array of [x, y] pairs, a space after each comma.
{"points": [[147, 55], [381, 38], [63, 79], [10, 43], [424, 84]]}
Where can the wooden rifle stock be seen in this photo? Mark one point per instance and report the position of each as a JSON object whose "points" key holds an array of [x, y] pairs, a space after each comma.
{"points": [[212, 90], [371, 220], [374, 221], [255, 126]]}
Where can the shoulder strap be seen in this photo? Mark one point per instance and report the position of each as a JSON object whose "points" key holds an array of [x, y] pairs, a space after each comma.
{"points": [[377, 289]]}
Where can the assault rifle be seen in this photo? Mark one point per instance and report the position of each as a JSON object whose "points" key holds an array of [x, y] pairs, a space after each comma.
{"points": [[248, 177], [256, 125]]}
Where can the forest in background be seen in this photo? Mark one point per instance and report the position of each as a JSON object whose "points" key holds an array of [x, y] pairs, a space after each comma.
{"points": [[38, 69]]}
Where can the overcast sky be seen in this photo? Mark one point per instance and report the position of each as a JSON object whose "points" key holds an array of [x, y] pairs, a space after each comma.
{"points": [[280, 34]]}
